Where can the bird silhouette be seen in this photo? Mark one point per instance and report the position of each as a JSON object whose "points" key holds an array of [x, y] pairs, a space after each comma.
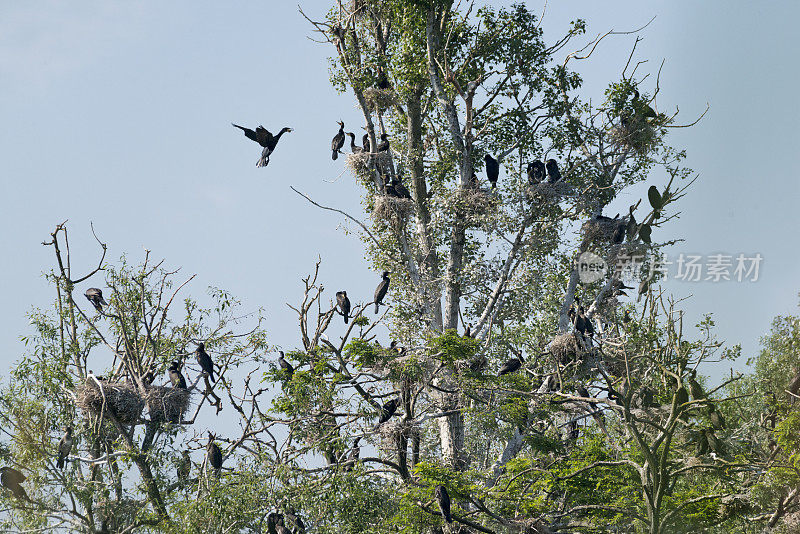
{"points": [[12, 479], [443, 499], [509, 366], [553, 174], [175, 376], [288, 370], [380, 291], [64, 447], [536, 172], [214, 455], [492, 169], [344, 304], [354, 148], [95, 296], [338, 141], [263, 137], [206, 364]]}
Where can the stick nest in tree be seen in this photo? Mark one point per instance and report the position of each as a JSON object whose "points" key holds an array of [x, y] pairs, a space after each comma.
{"points": [[379, 99], [391, 430], [566, 347], [601, 230], [122, 399], [638, 135], [358, 163], [391, 209], [475, 204], [167, 404], [548, 191]]}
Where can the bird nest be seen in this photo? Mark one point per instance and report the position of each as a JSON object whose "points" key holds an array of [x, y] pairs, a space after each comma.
{"points": [[358, 163], [548, 191], [391, 209], [473, 203], [167, 404], [122, 399], [379, 99], [638, 135], [601, 229], [393, 429], [566, 347]]}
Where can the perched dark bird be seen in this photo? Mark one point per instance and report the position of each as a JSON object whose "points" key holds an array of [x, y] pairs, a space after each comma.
{"points": [[383, 145], [149, 376], [492, 169], [338, 141], [12, 479], [642, 107], [619, 233], [387, 410], [583, 392], [473, 182], [587, 323], [643, 286], [366, 143], [295, 522], [695, 388], [184, 467], [400, 189], [275, 524], [353, 455], [383, 81], [175, 376], [553, 174], [64, 447], [354, 148], [511, 365], [214, 455], [716, 445], [626, 318], [717, 421], [95, 296], [344, 305], [206, 364], [444, 502], [288, 370], [263, 137], [468, 330], [536, 172], [380, 291]]}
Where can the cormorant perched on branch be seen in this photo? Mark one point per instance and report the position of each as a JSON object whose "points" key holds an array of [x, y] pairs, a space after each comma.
{"points": [[64, 447], [338, 141], [399, 190], [365, 142], [582, 323], [206, 364], [344, 304], [95, 296], [184, 467], [468, 330], [288, 370], [175, 376], [275, 524], [354, 148], [492, 169], [294, 519], [214, 455], [12, 479], [387, 411], [553, 174], [263, 137], [511, 365], [383, 145], [444, 502], [536, 172], [383, 81], [381, 290]]}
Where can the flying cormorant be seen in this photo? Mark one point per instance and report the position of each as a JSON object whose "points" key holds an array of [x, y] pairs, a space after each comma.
{"points": [[288, 370], [206, 364], [64, 447], [381, 290], [344, 304], [444, 502], [492, 169], [536, 172], [553, 174], [95, 296], [263, 137], [338, 141], [175, 376]]}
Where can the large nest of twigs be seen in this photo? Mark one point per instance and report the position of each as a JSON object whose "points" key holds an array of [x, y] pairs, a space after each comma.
{"points": [[167, 404], [101, 397], [473, 203], [638, 135], [379, 99], [391, 431], [566, 347], [548, 191], [359, 164], [391, 209], [596, 230]]}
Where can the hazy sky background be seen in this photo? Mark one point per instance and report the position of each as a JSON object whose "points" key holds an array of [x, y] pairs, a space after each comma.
{"points": [[119, 113]]}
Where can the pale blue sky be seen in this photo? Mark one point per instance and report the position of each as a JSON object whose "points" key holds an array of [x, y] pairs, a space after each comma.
{"points": [[119, 113]]}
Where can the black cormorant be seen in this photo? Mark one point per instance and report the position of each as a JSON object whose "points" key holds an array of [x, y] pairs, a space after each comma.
{"points": [[95, 296], [365, 142], [175, 376], [643, 286], [492, 169], [214, 455], [380, 291], [338, 141], [444, 502], [288, 370], [184, 467], [344, 304], [383, 81], [354, 148], [553, 174], [511, 365], [295, 520], [12, 479], [383, 145], [468, 330], [263, 137], [536, 172], [387, 410], [626, 318], [619, 233], [204, 360], [64, 447], [400, 190], [717, 421]]}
